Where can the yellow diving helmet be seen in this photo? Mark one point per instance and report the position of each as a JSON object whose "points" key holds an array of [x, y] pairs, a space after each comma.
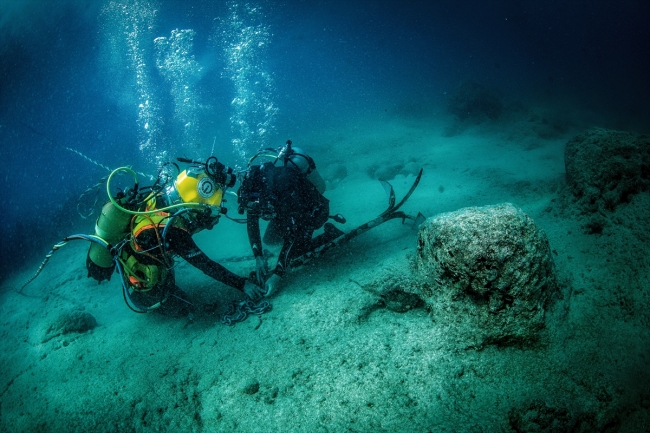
{"points": [[203, 184], [193, 185]]}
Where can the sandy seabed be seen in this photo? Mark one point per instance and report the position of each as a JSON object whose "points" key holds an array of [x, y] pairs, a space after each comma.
{"points": [[326, 358]]}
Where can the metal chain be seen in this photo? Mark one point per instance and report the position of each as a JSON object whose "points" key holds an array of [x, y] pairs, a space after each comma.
{"points": [[239, 311]]}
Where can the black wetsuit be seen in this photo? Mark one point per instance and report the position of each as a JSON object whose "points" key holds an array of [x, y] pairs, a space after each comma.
{"points": [[293, 206]]}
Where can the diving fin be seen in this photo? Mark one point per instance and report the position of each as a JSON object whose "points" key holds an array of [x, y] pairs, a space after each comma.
{"points": [[418, 221], [390, 213], [390, 192]]}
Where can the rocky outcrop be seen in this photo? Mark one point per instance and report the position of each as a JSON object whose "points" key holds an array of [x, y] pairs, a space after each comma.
{"points": [[605, 168], [487, 274]]}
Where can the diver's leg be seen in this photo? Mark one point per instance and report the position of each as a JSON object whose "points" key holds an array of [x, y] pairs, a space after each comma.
{"points": [[331, 232]]}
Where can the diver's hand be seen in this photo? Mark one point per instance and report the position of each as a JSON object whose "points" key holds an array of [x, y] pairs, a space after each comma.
{"points": [[261, 270], [253, 291], [272, 284]]}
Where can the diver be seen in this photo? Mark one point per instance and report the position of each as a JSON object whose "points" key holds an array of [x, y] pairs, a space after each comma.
{"points": [[145, 228], [290, 197]]}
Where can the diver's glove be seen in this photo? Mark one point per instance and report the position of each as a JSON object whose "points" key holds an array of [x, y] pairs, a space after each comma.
{"points": [[272, 284], [253, 291], [261, 269]]}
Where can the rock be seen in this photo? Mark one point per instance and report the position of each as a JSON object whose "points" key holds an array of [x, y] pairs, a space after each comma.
{"points": [[390, 290], [538, 416], [604, 169], [399, 301], [68, 322], [334, 174], [252, 387], [475, 102], [389, 169], [271, 394], [386, 171], [487, 273]]}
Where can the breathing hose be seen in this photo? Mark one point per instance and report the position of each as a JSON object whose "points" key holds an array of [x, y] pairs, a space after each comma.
{"points": [[148, 212], [91, 238]]}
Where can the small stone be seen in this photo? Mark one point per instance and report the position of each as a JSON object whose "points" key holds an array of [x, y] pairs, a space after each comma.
{"points": [[251, 388]]}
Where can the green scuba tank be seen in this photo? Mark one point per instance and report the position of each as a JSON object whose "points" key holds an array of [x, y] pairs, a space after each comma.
{"points": [[112, 226]]}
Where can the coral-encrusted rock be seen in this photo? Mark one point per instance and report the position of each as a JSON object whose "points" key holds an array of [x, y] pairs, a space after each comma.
{"points": [[604, 168], [487, 274]]}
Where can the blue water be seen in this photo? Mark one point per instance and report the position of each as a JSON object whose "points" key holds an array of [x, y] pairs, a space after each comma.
{"points": [[91, 76]]}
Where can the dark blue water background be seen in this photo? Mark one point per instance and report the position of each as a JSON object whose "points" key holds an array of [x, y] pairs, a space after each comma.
{"points": [[332, 62]]}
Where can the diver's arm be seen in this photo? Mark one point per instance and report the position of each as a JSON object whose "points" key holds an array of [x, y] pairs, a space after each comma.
{"points": [[283, 258], [254, 236], [181, 243]]}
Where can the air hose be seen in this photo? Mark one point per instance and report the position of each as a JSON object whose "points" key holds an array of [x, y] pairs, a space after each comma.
{"points": [[127, 297], [186, 207], [148, 212], [65, 240], [104, 244]]}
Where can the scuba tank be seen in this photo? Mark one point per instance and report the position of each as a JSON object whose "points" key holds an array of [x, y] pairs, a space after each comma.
{"points": [[112, 226]]}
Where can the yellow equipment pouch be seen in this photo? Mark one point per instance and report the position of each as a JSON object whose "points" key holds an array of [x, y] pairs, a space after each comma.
{"points": [[139, 276]]}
